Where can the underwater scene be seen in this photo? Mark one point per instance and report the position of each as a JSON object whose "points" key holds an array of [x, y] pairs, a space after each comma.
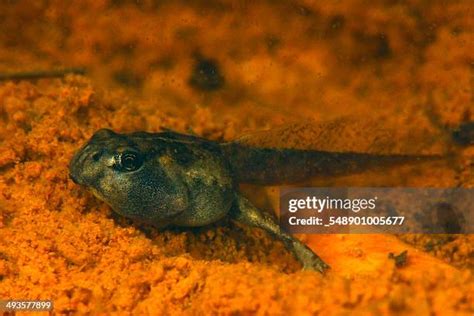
{"points": [[177, 157]]}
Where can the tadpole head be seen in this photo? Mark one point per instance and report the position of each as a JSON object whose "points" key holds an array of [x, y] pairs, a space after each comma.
{"points": [[88, 163], [124, 170]]}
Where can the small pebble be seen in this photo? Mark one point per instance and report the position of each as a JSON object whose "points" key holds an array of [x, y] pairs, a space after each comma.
{"points": [[464, 134], [206, 75]]}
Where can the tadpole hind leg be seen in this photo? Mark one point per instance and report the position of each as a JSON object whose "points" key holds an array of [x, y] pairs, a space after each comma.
{"points": [[248, 214]]}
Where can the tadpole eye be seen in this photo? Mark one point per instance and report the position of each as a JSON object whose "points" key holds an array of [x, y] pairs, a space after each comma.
{"points": [[129, 161]]}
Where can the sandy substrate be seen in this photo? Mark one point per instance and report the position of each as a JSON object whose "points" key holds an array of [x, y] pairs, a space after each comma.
{"points": [[395, 76]]}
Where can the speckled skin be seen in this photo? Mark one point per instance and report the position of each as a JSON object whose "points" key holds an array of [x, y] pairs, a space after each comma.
{"points": [[180, 180], [183, 182], [174, 179]]}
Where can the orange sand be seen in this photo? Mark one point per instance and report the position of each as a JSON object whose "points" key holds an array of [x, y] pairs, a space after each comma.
{"points": [[394, 66]]}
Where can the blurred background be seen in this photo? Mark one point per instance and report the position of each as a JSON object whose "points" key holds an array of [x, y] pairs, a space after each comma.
{"points": [[267, 61]]}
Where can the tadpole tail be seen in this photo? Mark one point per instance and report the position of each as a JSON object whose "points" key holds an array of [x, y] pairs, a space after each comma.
{"points": [[273, 166]]}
